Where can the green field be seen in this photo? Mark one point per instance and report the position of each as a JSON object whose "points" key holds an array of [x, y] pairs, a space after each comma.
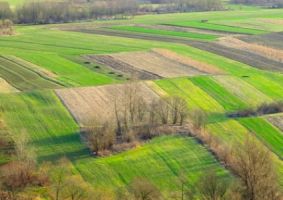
{"points": [[195, 97], [37, 112], [271, 136], [219, 93], [50, 128], [161, 160], [160, 32], [218, 27]]}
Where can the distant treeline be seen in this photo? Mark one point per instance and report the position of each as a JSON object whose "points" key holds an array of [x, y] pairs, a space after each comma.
{"points": [[268, 3], [187, 5], [50, 11]]}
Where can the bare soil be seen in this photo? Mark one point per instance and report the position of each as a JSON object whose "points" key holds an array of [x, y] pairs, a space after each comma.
{"points": [[122, 67], [89, 104], [156, 63], [271, 53]]}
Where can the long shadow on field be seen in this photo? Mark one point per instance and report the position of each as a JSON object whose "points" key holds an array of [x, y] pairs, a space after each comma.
{"points": [[54, 147], [73, 156]]}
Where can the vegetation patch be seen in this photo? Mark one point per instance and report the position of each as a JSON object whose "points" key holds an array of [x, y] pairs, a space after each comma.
{"points": [[266, 132], [244, 91], [168, 154], [195, 96], [45, 122], [219, 93]]}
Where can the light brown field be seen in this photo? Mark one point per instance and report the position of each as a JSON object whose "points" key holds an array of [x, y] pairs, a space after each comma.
{"points": [[265, 51], [98, 103], [273, 21], [204, 67], [276, 120], [5, 87], [156, 63]]}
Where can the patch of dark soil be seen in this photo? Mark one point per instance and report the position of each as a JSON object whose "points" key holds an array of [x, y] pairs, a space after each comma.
{"points": [[245, 57], [122, 67], [274, 40]]}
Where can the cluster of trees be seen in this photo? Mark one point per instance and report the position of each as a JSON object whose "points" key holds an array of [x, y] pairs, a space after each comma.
{"points": [[134, 119], [183, 6], [59, 11], [49, 11], [270, 3]]}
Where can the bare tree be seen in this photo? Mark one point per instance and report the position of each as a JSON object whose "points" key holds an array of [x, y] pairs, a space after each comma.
{"points": [[100, 137], [254, 165], [211, 187], [58, 176], [75, 188], [199, 118], [142, 189]]}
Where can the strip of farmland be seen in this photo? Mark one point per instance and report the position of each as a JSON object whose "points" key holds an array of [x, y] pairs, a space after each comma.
{"points": [[22, 76]]}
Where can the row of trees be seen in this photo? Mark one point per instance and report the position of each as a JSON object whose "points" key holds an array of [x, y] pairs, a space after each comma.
{"points": [[251, 161], [49, 11], [270, 3], [59, 11]]}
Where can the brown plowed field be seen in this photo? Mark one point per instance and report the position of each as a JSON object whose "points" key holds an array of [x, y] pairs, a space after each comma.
{"points": [[156, 63], [271, 53], [122, 67], [270, 40], [97, 103]]}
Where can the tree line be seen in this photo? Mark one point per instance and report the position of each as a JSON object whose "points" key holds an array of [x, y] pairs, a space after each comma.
{"points": [[60, 11], [268, 3]]}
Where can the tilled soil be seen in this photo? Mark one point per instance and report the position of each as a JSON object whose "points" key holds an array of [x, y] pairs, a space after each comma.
{"points": [[123, 67]]}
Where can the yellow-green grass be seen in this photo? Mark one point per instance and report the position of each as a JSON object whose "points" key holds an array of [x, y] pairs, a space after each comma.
{"points": [[270, 135], [195, 97], [243, 90], [219, 93], [160, 161], [266, 85], [145, 30]]}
